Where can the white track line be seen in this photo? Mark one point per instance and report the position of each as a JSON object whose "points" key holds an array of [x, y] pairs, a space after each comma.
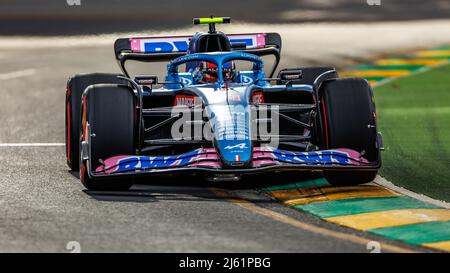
{"points": [[17, 74], [387, 184], [49, 144]]}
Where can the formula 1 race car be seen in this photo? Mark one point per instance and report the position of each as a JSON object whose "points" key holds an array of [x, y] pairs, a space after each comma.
{"points": [[217, 114]]}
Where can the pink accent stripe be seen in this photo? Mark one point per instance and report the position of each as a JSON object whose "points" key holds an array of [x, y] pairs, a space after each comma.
{"points": [[206, 164], [135, 44], [260, 163], [261, 40]]}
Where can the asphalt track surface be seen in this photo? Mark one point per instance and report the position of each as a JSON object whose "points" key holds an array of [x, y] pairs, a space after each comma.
{"points": [[43, 206]]}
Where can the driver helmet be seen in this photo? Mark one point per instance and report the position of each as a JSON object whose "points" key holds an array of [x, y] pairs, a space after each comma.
{"points": [[209, 72]]}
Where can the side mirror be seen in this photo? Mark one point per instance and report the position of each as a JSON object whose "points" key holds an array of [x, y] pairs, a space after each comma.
{"points": [[291, 75], [146, 80]]}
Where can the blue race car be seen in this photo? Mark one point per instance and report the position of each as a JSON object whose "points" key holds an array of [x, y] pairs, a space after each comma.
{"points": [[218, 115]]}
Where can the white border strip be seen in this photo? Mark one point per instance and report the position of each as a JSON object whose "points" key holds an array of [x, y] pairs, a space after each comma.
{"points": [[50, 144], [389, 185]]}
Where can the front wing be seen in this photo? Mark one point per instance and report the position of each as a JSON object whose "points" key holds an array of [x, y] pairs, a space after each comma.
{"points": [[208, 160]]}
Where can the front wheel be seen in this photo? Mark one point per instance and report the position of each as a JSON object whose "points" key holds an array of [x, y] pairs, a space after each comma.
{"points": [[349, 121], [108, 118], [74, 91]]}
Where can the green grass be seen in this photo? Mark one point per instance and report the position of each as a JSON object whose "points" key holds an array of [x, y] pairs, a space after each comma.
{"points": [[414, 118]]}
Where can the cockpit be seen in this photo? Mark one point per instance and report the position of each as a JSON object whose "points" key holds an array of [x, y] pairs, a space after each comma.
{"points": [[216, 67]]}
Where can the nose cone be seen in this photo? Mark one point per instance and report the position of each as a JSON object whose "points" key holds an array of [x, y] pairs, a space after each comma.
{"points": [[231, 127], [235, 153]]}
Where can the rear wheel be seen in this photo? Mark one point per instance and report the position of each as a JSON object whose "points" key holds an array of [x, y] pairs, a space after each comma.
{"points": [[75, 88], [108, 117], [349, 122]]}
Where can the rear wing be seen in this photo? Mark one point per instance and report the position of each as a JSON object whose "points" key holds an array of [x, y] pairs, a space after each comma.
{"points": [[154, 49]]}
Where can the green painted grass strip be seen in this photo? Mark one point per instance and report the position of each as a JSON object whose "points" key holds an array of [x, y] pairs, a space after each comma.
{"points": [[387, 67], [447, 47], [375, 78], [289, 186], [313, 183], [418, 233], [410, 57], [361, 205]]}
